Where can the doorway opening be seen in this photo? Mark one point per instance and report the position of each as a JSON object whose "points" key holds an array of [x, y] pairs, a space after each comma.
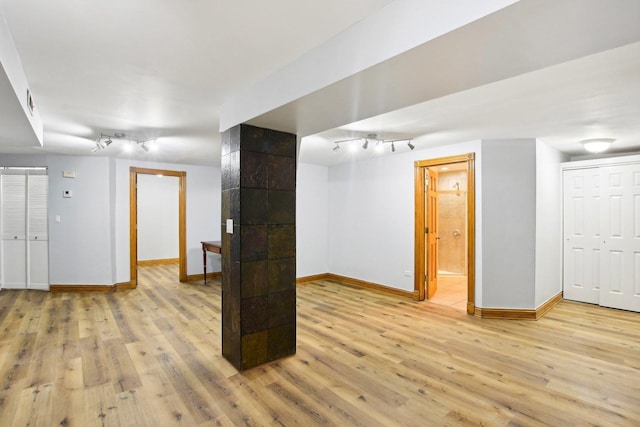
{"points": [[133, 220], [445, 231]]}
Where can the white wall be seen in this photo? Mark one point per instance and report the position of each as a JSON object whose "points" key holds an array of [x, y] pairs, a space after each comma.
{"points": [[203, 213], [509, 223], [80, 245], [371, 220], [158, 221], [371, 216], [312, 220], [91, 243], [548, 223]]}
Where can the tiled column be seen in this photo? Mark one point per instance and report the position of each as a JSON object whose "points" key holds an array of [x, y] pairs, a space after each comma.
{"points": [[259, 257]]}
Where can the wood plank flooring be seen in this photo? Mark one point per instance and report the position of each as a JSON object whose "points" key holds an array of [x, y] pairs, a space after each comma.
{"points": [[151, 357]]}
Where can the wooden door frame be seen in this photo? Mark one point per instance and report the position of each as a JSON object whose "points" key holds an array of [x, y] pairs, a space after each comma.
{"points": [[419, 246], [133, 219]]}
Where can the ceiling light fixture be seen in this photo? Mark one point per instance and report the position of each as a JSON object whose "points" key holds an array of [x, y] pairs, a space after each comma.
{"points": [[597, 145], [372, 137], [105, 141]]}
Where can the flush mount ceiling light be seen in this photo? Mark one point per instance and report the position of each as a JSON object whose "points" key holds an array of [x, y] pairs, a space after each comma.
{"points": [[105, 140], [597, 145], [372, 137]]}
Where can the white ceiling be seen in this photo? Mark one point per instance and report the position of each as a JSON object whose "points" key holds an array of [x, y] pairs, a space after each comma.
{"points": [[162, 68], [593, 97], [159, 68]]}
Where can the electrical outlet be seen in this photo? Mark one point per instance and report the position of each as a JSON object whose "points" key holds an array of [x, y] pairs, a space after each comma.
{"points": [[407, 273]]}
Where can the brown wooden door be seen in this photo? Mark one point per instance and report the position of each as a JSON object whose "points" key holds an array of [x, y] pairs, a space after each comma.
{"points": [[432, 231]]}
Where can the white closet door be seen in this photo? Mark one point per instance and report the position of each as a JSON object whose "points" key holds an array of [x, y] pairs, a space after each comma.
{"points": [[620, 190], [37, 244], [581, 226], [13, 190]]}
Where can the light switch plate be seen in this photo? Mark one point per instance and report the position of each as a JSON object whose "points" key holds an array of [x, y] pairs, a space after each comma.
{"points": [[229, 226], [69, 174]]}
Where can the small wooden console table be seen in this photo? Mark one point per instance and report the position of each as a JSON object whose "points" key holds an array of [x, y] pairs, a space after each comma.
{"points": [[211, 246]]}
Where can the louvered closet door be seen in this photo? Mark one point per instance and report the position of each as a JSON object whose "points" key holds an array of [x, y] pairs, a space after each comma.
{"points": [[581, 281], [37, 230], [13, 189], [620, 283]]}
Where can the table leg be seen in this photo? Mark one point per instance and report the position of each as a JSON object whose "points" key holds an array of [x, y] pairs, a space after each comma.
{"points": [[204, 263]]}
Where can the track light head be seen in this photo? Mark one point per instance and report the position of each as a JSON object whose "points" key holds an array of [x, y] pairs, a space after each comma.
{"points": [[366, 143], [393, 147], [411, 146], [337, 147]]}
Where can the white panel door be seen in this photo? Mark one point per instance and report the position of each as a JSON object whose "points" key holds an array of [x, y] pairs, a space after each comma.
{"points": [[620, 209], [581, 281]]}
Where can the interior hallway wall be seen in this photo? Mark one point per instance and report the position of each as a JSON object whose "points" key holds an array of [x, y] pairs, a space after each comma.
{"points": [[80, 244], [548, 222], [90, 245], [509, 229], [203, 213], [312, 220], [371, 216]]}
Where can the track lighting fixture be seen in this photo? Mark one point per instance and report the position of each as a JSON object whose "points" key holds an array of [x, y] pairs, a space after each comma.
{"points": [[105, 141], [372, 137]]}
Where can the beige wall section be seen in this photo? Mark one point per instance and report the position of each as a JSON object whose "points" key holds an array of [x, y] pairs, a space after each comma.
{"points": [[452, 231]]}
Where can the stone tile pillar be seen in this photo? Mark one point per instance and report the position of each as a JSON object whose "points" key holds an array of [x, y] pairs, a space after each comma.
{"points": [[259, 257]]}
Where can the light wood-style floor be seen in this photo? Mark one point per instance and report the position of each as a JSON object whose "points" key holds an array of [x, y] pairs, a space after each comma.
{"points": [[151, 357]]}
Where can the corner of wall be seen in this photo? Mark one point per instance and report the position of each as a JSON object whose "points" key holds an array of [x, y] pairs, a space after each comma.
{"points": [[548, 236]]}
